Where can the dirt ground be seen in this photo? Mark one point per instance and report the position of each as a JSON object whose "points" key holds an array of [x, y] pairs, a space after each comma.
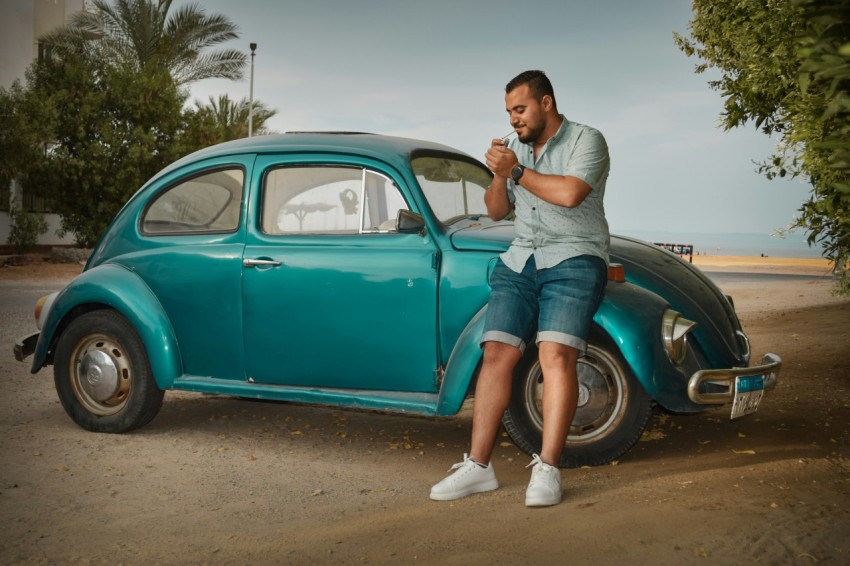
{"points": [[219, 480]]}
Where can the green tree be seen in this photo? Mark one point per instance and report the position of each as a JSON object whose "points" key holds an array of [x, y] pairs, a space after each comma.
{"points": [[785, 66], [110, 101], [141, 34], [25, 123], [116, 130], [230, 118]]}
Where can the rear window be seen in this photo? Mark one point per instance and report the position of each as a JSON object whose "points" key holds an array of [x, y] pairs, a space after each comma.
{"points": [[205, 203]]}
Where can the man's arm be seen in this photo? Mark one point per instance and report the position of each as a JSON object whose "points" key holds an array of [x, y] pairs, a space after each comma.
{"points": [[496, 199], [560, 190]]}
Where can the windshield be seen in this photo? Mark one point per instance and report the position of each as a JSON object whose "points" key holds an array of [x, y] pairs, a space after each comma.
{"points": [[454, 187]]}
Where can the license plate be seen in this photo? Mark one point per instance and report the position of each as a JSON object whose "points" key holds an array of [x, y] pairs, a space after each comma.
{"points": [[748, 393]]}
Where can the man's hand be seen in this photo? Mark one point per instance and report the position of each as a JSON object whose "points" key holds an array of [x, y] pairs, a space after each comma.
{"points": [[561, 190], [496, 197], [500, 159]]}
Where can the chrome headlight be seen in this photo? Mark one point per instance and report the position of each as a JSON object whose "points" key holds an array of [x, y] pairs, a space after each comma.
{"points": [[674, 335]]}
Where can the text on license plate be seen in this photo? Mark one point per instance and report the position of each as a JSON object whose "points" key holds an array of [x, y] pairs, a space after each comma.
{"points": [[748, 393]]}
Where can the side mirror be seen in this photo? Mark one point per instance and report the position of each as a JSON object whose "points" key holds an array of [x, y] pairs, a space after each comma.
{"points": [[409, 222]]}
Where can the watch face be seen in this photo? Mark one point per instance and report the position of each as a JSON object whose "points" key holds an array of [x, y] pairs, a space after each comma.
{"points": [[517, 172]]}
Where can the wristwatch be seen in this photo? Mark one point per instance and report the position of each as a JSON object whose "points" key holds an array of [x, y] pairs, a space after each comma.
{"points": [[516, 173]]}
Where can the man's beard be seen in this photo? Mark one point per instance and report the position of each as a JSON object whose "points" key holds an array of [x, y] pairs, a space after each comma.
{"points": [[533, 133]]}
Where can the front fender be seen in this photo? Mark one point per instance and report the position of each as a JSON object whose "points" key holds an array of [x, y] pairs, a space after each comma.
{"points": [[116, 287], [631, 316]]}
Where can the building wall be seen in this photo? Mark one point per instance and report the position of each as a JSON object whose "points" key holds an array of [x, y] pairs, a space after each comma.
{"points": [[21, 23]]}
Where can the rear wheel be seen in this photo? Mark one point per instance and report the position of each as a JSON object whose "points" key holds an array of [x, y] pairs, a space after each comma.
{"points": [[613, 408], [103, 376]]}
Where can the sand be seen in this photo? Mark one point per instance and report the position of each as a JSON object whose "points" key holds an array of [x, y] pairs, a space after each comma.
{"points": [[217, 480], [801, 266]]}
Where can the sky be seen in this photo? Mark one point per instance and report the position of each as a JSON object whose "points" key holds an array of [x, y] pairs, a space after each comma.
{"points": [[436, 70]]}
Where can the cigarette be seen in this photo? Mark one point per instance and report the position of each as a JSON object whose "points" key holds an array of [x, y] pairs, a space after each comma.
{"points": [[506, 136]]}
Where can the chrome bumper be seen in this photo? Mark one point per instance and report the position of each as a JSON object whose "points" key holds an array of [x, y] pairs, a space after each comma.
{"points": [[769, 370], [25, 346]]}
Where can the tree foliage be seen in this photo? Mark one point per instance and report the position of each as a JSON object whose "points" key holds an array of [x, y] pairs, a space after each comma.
{"points": [[111, 131], [106, 110], [228, 119], [25, 229], [24, 125], [785, 66], [140, 35]]}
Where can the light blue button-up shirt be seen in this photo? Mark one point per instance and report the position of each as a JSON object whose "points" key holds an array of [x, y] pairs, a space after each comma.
{"points": [[554, 233]]}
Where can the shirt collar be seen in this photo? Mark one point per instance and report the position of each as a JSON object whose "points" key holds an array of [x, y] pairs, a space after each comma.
{"points": [[562, 131]]}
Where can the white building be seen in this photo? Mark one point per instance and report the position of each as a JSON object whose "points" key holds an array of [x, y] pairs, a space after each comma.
{"points": [[21, 23]]}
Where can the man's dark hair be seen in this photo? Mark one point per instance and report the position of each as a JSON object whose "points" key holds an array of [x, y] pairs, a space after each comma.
{"points": [[537, 82]]}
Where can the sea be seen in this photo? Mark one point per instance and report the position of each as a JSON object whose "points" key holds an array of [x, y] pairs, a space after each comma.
{"points": [[791, 245]]}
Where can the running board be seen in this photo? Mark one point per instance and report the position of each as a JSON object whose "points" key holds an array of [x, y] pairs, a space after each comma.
{"points": [[391, 401]]}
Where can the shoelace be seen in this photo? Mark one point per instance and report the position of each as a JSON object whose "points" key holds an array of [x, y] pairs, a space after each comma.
{"points": [[535, 459], [461, 464], [538, 473]]}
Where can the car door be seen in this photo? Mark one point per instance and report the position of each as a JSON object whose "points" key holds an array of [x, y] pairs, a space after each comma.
{"points": [[333, 295], [192, 237]]}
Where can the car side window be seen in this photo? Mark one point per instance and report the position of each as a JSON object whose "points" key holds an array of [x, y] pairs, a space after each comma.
{"points": [[205, 203], [329, 200]]}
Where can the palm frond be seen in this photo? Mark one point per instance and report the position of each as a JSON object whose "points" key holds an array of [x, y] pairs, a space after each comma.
{"points": [[137, 34]]}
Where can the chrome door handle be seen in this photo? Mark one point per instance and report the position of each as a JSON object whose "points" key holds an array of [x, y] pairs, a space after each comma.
{"points": [[260, 263]]}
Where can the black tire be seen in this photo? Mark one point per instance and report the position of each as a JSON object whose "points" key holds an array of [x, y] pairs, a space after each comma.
{"points": [[103, 376], [612, 413]]}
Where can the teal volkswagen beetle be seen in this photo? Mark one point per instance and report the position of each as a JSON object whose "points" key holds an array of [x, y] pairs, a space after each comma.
{"points": [[351, 270]]}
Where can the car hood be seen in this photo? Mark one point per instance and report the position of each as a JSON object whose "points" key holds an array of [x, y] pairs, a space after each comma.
{"points": [[687, 289]]}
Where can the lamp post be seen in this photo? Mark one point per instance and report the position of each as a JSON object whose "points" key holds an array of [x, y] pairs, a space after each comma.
{"points": [[251, 99]]}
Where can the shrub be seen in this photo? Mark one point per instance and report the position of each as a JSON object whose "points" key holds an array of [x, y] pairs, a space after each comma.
{"points": [[25, 229]]}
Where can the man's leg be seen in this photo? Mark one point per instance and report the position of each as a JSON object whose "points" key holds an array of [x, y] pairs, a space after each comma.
{"points": [[569, 295], [511, 313], [492, 395], [560, 397]]}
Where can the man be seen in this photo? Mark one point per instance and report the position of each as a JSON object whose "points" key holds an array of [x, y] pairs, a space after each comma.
{"points": [[550, 280]]}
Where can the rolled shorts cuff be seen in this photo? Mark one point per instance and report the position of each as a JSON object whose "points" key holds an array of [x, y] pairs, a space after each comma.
{"points": [[562, 338], [503, 337]]}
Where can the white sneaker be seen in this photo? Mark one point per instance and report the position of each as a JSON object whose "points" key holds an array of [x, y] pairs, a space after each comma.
{"points": [[468, 478], [545, 486]]}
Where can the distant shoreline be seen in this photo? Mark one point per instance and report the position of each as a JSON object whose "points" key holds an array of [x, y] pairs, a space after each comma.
{"points": [[793, 245], [810, 266]]}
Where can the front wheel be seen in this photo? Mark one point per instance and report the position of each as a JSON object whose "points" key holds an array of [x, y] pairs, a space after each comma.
{"points": [[103, 376], [613, 408]]}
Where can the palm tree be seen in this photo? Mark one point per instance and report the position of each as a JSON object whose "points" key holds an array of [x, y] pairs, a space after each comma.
{"points": [[141, 35], [231, 117]]}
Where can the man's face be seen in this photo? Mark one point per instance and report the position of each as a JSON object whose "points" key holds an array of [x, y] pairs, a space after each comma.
{"points": [[527, 114]]}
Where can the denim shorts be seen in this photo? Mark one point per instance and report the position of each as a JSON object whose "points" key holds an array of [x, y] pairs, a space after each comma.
{"points": [[557, 302]]}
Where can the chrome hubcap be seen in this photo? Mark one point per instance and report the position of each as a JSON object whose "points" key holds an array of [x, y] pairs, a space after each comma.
{"points": [[98, 375], [101, 375], [601, 394]]}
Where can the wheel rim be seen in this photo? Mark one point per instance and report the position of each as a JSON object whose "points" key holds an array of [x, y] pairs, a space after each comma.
{"points": [[602, 394], [101, 375]]}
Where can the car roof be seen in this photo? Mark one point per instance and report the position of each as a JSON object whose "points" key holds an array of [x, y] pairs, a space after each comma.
{"points": [[395, 150]]}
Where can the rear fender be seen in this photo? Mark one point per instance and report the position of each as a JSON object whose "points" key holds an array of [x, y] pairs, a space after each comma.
{"points": [[461, 367], [115, 287]]}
